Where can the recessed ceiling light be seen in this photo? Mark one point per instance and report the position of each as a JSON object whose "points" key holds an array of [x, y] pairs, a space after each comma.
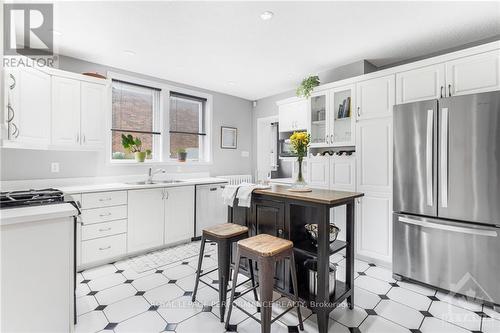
{"points": [[129, 52], [231, 83], [267, 15]]}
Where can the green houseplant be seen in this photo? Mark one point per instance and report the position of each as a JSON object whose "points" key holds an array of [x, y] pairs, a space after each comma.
{"points": [[134, 145], [181, 154], [307, 85]]}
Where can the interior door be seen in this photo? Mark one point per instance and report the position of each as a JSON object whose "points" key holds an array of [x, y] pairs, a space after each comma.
{"points": [[415, 152], [469, 158]]}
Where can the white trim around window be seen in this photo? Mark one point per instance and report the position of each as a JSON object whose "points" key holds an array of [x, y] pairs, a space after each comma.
{"points": [[164, 138]]}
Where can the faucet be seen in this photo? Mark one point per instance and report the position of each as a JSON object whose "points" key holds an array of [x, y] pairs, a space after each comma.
{"points": [[151, 173]]}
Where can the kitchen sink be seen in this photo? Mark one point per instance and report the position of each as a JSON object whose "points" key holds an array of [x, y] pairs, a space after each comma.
{"points": [[172, 181]]}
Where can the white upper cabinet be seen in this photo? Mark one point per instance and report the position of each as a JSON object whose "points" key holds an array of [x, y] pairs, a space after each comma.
{"points": [[146, 216], [374, 155], [30, 105], [320, 114], [292, 115], [473, 74], [65, 111], [318, 171], [375, 98], [420, 84], [93, 102], [179, 213]]}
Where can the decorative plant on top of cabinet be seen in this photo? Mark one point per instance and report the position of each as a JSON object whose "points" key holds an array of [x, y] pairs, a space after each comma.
{"points": [[307, 85]]}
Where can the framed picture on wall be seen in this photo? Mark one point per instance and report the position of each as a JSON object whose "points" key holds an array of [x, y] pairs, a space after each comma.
{"points": [[228, 137]]}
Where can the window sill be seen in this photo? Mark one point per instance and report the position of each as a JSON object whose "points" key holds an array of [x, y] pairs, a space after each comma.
{"points": [[172, 162]]}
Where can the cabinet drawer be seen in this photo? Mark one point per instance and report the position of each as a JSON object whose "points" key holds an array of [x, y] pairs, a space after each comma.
{"points": [[98, 230], [104, 199], [103, 248], [104, 214]]}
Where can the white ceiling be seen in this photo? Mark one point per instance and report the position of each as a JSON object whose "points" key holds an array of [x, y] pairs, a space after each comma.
{"points": [[226, 47]]}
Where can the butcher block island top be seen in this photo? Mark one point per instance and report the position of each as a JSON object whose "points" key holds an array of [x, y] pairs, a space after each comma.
{"points": [[318, 196]]}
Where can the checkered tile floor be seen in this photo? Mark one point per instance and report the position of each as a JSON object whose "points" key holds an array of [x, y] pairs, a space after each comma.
{"points": [[117, 298]]}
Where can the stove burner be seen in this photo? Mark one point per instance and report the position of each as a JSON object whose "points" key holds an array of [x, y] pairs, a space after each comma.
{"points": [[30, 198]]}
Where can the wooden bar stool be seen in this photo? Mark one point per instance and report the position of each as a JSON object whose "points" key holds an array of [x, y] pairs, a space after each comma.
{"points": [[224, 235], [266, 250]]}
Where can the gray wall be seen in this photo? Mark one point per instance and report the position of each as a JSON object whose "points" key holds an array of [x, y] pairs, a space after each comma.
{"points": [[228, 110]]}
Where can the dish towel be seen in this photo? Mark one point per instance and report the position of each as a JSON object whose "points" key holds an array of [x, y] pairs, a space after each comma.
{"points": [[228, 194], [245, 194]]}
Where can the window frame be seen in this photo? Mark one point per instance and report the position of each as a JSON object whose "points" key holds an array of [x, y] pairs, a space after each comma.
{"points": [[163, 122]]}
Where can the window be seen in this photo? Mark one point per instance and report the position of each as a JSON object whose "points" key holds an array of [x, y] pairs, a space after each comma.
{"points": [[187, 126], [135, 111]]}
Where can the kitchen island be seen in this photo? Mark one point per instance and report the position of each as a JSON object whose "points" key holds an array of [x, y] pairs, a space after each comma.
{"points": [[283, 213]]}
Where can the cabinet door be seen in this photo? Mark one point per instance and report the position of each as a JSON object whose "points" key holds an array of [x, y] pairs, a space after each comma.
{"points": [[474, 74], [146, 216], [93, 98], [375, 98], [318, 173], [301, 119], [269, 218], [420, 84], [65, 111], [374, 155], [285, 117], [374, 226], [343, 173], [319, 113], [32, 106], [179, 213]]}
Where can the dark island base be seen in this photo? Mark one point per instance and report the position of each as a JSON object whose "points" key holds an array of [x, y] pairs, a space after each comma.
{"points": [[275, 213]]}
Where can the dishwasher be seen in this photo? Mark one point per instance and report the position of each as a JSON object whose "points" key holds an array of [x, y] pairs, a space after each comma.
{"points": [[210, 207]]}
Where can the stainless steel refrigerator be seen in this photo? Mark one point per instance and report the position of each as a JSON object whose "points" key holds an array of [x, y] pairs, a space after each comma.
{"points": [[446, 194]]}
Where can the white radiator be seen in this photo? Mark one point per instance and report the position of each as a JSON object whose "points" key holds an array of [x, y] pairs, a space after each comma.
{"points": [[237, 179]]}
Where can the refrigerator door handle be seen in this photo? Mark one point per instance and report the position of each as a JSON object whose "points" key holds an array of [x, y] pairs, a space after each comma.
{"points": [[445, 227], [443, 162], [429, 157]]}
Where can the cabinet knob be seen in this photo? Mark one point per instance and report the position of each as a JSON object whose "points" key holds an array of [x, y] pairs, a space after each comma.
{"points": [[13, 84], [442, 91], [280, 232], [359, 111], [449, 90]]}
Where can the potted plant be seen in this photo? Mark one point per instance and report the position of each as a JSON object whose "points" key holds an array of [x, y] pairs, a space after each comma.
{"points": [[300, 143], [181, 154], [134, 145], [307, 85]]}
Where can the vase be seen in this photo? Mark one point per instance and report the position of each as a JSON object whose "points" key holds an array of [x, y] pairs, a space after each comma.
{"points": [[299, 179]]}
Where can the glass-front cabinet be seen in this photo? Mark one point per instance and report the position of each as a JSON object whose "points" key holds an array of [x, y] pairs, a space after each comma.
{"points": [[332, 117], [342, 116], [319, 115]]}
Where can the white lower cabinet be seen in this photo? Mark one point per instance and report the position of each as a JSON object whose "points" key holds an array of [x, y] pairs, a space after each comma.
{"points": [[101, 249], [374, 227], [179, 214], [318, 172], [146, 219]]}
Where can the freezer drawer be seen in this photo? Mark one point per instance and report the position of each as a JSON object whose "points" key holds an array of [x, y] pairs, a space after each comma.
{"points": [[460, 257]]}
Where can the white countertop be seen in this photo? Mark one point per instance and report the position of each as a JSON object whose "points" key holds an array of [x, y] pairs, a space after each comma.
{"points": [[124, 186], [36, 213]]}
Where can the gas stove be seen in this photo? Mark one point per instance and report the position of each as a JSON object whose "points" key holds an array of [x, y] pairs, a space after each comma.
{"points": [[31, 197]]}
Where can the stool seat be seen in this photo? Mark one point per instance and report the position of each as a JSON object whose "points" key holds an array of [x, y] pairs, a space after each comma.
{"points": [[225, 230], [265, 245]]}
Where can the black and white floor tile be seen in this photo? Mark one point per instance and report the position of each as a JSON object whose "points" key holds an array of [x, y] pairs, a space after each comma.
{"points": [[121, 297]]}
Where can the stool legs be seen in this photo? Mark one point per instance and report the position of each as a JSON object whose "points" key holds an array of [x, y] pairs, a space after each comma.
{"points": [[296, 290], [252, 277], [267, 268], [223, 256], [233, 288], [198, 272]]}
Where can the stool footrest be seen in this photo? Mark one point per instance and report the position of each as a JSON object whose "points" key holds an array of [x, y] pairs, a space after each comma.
{"points": [[245, 292], [228, 290], [246, 312], [205, 273]]}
